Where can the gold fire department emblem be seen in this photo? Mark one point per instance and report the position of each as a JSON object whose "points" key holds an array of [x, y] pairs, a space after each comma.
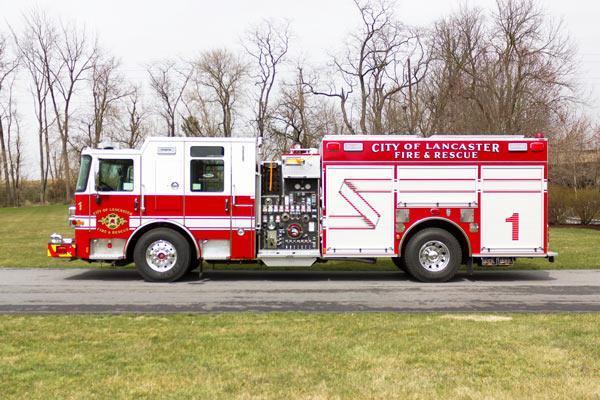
{"points": [[113, 221]]}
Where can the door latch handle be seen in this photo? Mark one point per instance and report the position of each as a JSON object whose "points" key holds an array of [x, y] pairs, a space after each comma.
{"points": [[136, 204], [227, 205]]}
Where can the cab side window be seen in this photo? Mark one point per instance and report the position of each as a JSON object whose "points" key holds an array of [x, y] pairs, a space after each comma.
{"points": [[115, 175], [207, 172]]}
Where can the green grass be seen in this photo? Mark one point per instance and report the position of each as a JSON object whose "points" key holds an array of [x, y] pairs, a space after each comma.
{"points": [[24, 233], [293, 355], [578, 249], [300, 356]]}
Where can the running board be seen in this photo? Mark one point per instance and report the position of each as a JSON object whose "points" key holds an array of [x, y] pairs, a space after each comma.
{"points": [[288, 258]]}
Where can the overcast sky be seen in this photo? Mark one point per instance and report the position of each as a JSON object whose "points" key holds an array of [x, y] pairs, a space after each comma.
{"points": [[141, 31]]}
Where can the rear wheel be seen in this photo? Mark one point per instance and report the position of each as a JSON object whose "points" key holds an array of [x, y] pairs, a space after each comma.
{"points": [[162, 255], [433, 255]]}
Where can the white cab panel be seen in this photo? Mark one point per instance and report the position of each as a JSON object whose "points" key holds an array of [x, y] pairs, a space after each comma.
{"points": [[243, 168]]}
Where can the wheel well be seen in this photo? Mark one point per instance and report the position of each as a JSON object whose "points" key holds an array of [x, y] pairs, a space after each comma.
{"points": [[140, 232], [441, 224]]}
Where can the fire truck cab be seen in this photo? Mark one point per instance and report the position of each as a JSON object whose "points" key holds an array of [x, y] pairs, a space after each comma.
{"points": [[429, 204]]}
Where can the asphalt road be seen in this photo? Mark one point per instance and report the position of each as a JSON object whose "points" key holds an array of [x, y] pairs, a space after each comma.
{"points": [[123, 291]]}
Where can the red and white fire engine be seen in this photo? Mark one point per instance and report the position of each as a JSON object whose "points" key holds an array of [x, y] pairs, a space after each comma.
{"points": [[429, 204]]}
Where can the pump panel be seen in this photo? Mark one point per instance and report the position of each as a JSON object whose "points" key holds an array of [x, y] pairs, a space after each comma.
{"points": [[290, 217]]}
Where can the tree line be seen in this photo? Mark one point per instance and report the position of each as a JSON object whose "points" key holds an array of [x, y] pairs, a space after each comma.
{"points": [[508, 70]]}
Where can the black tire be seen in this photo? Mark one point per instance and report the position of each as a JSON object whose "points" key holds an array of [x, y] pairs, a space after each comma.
{"points": [[162, 255], [399, 262], [433, 255], [194, 263]]}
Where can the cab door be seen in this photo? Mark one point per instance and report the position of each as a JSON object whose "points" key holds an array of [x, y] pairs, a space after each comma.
{"points": [[114, 204], [207, 192]]}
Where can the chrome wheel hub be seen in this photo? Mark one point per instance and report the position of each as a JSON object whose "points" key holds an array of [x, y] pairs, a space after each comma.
{"points": [[161, 256], [434, 256]]}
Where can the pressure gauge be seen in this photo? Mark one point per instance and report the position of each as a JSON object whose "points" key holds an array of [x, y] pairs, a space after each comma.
{"points": [[294, 231]]}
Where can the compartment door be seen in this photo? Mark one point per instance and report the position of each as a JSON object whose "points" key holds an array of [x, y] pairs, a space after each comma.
{"points": [[512, 209], [359, 209], [243, 195]]}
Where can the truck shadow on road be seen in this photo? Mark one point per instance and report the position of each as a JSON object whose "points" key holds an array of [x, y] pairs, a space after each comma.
{"points": [[104, 274], [479, 276], [269, 275]]}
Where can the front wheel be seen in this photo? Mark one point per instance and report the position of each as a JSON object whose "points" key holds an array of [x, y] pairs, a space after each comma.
{"points": [[399, 262], [433, 255], [162, 255]]}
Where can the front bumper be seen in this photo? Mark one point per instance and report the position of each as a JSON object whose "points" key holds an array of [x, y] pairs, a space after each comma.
{"points": [[61, 247]]}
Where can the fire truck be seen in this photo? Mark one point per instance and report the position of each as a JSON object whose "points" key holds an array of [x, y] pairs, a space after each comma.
{"points": [[428, 204]]}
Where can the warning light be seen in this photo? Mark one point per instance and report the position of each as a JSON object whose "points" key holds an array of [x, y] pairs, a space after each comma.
{"points": [[539, 146], [539, 135], [333, 146]]}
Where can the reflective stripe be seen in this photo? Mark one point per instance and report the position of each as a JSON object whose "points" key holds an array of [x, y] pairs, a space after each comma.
{"points": [[68, 252]]}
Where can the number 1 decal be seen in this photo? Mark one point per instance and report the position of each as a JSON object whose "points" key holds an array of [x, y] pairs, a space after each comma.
{"points": [[514, 220]]}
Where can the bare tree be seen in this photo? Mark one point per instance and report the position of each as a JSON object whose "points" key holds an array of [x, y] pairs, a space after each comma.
{"points": [[510, 73], [11, 146], [290, 122], [169, 81], [66, 66], [132, 128], [34, 45], [14, 150], [202, 115], [300, 118], [534, 65], [573, 154], [455, 44], [108, 87], [4, 153], [383, 60], [8, 66], [267, 44], [336, 91], [222, 73]]}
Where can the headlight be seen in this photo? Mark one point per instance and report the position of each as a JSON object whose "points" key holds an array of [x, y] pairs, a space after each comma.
{"points": [[71, 220]]}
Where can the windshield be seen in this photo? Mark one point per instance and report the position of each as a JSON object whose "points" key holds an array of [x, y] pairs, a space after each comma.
{"points": [[84, 172]]}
